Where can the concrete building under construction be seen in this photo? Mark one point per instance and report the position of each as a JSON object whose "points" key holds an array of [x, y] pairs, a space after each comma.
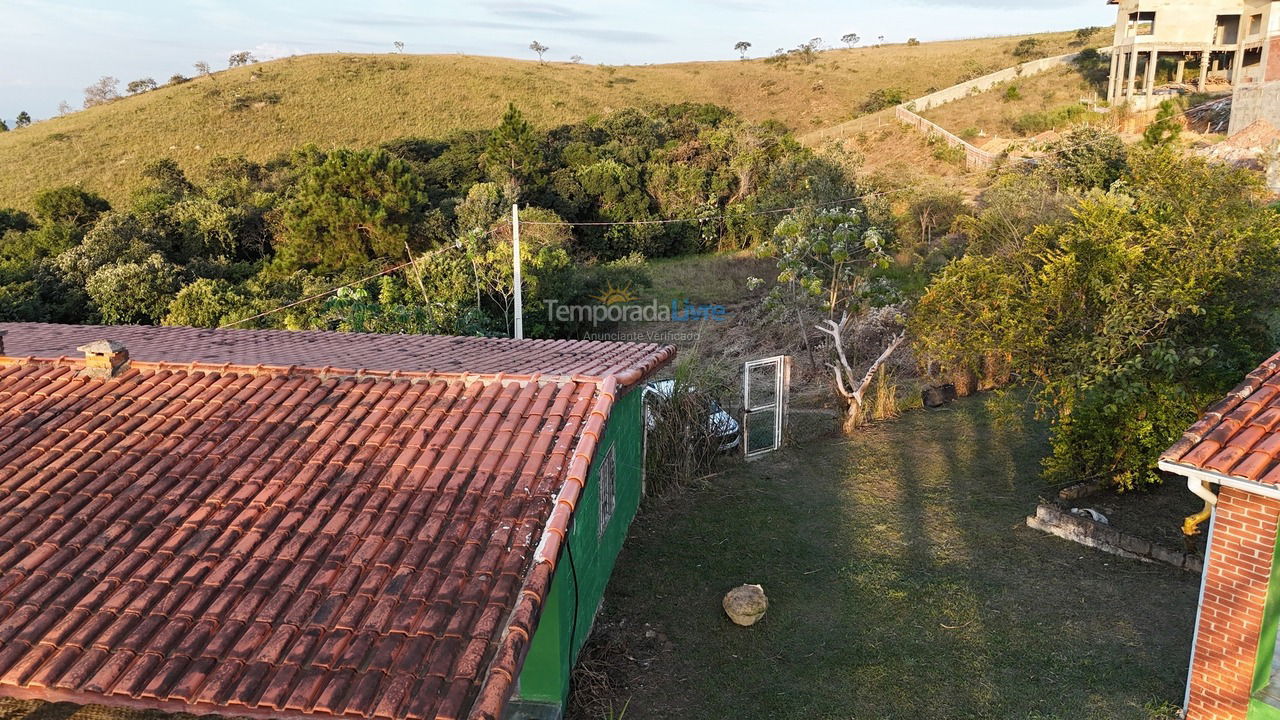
{"points": [[1163, 47]]}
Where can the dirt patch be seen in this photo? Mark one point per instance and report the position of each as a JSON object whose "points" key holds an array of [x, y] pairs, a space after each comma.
{"points": [[1154, 514]]}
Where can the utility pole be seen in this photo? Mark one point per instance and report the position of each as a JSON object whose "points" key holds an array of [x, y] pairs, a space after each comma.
{"points": [[515, 260]]}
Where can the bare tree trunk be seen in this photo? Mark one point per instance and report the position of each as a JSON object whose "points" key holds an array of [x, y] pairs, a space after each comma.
{"points": [[851, 389]]}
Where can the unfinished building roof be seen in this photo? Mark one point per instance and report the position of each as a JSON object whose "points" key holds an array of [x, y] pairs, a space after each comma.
{"points": [[628, 362], [1240, 435], [282, 542]]}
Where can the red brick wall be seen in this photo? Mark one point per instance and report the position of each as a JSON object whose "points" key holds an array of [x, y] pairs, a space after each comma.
{"points": [[1235, 591], [1273, 61]]}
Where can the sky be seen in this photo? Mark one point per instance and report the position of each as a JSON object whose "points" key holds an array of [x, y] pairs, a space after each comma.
{"points": [[50, 50]]}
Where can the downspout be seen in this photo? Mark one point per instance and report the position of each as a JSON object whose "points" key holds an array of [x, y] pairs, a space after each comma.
{"points": [[1191, 525]]}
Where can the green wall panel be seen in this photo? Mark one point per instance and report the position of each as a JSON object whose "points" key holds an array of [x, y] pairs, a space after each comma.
{"points": [[571, 606]]}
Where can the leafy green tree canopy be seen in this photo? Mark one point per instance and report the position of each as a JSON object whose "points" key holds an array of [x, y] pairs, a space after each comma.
{"points": [[349, 207]]}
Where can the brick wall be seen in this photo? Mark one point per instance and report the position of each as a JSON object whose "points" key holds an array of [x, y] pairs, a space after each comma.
{"points": [[1235, 591]]}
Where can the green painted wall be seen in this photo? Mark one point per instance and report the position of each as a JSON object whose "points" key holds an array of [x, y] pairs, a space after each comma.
{"points": [[1259, 709], [558, 639]]}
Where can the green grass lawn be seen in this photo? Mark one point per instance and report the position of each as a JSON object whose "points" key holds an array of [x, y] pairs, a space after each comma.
{"points": [[902, 582]]}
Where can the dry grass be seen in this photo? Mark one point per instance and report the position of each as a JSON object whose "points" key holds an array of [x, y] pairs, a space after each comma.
{"points": [[995, 112], [362, 100]]}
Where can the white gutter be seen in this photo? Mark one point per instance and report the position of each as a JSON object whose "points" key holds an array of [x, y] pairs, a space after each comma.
{"points": [[1196, 478]]}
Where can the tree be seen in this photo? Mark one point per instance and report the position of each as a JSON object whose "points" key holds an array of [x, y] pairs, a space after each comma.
{"points": [[178, 79], [880, 39], [205, 303], [1084, 35], [141, 85], [347, 208], [134, 292], [823, 260], [575, 59], [22, 120], [4, 126], [64, 108], [202, 68], [850, 39], [1166, 129], [742, 46], [101, 92], [513, 156], [1127, 317], [240, 59], [913, 42], [399, 46], [69, 205], [538, 48]]}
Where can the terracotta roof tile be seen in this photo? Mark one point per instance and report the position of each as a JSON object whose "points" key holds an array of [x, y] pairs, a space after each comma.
{"points": [[268, 540], [627, 362], [1240, 435]]}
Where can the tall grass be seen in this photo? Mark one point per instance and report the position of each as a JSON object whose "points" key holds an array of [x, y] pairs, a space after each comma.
{"points": [[682, 447]]}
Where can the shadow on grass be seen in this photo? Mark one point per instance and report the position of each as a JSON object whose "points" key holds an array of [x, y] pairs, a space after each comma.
{"points": [[902, 584]]}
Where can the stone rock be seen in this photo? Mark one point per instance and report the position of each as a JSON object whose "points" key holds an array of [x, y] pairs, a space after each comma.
{"points": [[939, 395], [746, 604]]}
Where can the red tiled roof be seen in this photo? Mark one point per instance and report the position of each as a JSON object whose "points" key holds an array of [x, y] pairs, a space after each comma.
{"points": [[1239, 436], [628, 362], [272, 541]]}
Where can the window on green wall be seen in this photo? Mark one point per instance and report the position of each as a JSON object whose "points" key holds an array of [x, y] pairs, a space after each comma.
{"points": [[608, 477]]}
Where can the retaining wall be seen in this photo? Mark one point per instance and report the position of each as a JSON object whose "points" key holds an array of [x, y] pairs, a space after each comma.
{"points": [[975, 158]]}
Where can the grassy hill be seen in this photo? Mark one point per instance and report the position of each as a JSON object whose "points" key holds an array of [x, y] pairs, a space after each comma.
{"points": [[362, 100]]}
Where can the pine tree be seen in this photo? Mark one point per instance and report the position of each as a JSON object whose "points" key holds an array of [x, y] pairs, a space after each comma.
{"points": [[1166, 129], [513, 156]]}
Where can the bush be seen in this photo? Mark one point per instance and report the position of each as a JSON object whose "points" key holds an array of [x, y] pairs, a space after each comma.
{"points": [[1128, 315], [1029, 49], [1037, 122], [884, 98], [1011, 94], [133, 293], [682, 447]]}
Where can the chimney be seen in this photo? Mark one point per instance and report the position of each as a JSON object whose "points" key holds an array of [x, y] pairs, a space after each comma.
{"points": [[104, 359]]}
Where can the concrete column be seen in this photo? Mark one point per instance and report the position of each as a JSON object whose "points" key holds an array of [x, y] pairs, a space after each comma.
{"points": [[1113, 78], [1131, 85], [1149, 82], [1204, 71], [1182, 69], [1237, 65]]}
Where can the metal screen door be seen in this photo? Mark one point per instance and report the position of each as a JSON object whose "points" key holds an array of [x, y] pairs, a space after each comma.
{"points": [[765, 386]]}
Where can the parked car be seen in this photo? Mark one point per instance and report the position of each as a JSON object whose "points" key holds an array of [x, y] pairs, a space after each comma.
{"points": [[720, 423]]}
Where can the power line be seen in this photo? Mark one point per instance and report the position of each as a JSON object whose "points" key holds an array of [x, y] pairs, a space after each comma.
{"points": [[330, 291], [662, 221]]}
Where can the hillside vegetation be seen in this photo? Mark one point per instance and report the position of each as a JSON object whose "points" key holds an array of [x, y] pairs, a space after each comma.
{"points": [[262, 110]]}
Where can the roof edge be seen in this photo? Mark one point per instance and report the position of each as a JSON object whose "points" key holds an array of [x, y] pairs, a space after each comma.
{"points": [[1213, 476], [523, 619], [319, 372]]}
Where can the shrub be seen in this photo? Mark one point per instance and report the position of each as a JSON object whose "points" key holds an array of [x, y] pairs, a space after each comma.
{"points": [[1128, 315], [1029, 49], [131, 293], [682, 446], [1034, 123], [884, 98], [1011, 94]]}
